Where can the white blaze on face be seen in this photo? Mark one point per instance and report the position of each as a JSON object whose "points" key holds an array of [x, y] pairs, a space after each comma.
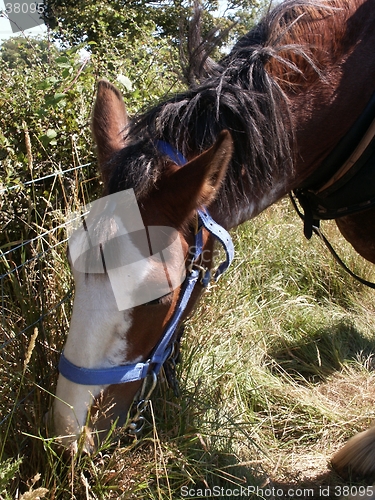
{"points": [[97, 335], [97, 339], [117, 265]]}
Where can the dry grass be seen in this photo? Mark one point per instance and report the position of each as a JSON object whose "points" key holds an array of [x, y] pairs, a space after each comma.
{"points": [[277, 373]]}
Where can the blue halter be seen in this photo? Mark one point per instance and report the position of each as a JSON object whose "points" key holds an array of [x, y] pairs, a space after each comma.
{"points": [[138, 371]]}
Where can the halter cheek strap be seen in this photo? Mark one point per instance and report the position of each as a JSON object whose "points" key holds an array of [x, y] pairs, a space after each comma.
{"points": [[138, 371]]}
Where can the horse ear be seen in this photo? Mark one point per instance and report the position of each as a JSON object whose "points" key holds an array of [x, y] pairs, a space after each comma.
{"points": [[109, 120], [197, 183]]}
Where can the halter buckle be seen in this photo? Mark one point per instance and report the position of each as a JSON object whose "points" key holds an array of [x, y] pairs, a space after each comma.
{"points": [[205, 273]]}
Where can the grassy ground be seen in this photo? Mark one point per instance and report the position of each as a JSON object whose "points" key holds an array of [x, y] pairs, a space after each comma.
{"points": [[277, 373]]}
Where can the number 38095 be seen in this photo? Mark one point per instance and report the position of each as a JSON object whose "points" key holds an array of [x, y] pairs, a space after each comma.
{"points": [[24, 8]]}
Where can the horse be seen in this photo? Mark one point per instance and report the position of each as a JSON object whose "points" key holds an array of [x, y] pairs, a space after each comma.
{"points": [[251, 128]]}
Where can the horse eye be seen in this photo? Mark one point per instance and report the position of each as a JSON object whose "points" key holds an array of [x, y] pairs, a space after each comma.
{"points": [[159, 300]]}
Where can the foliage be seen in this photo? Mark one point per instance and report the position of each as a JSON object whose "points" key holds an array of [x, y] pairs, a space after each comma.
{"points": [[51, 101], [8, 471], [19, 51], [125, 20], [45, 109], [43, 129]]}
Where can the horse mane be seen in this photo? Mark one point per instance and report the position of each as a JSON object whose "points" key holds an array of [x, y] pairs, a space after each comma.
{"points": [[247, 93], [305, 37]]}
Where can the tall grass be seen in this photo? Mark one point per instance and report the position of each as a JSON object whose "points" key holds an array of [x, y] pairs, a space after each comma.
{"points": [[277, 373]]}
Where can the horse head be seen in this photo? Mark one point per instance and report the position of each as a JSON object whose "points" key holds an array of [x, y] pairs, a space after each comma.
{"points": [[129, 277]]}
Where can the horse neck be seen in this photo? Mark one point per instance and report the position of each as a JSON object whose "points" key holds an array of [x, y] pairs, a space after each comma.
{"points": [[246, 205], [321, 115]]}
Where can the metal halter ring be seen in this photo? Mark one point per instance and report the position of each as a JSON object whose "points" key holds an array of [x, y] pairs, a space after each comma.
{"points": [[137, 422]]}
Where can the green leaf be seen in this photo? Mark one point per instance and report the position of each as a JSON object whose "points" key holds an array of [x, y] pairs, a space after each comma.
{"points": [[59, 96], [51, 134], [63, 62], [44, 85], [67, 72], [49, 138], [55, 99]]}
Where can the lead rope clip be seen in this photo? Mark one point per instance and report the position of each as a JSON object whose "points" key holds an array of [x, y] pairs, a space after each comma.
{"points": [[137, 422]]}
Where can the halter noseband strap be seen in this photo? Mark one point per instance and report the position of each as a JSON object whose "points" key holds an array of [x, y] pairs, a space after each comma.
{"points": [[138, 371]]}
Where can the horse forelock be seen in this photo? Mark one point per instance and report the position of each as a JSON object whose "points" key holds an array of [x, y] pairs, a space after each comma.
{"points": [[134, 167], [248, 94]]}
